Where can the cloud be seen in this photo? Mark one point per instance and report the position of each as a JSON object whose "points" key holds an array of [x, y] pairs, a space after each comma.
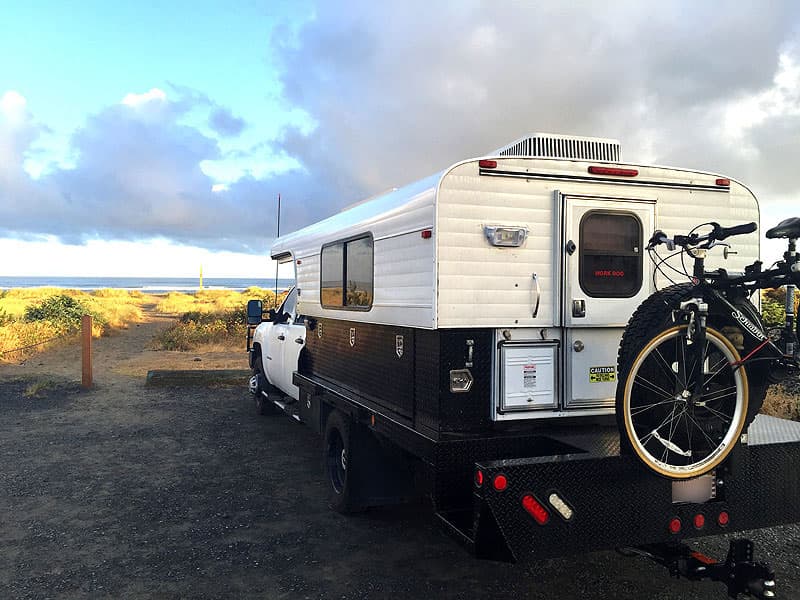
{"points": [[225, 123], [154, 95], [396, 93]]}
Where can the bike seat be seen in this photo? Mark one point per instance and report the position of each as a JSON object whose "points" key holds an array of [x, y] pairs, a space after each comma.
{"points": [[788, 228]]}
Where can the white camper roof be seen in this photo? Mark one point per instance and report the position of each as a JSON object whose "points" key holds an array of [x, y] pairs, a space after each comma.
{"points": [[402, 210], [410, 208]]}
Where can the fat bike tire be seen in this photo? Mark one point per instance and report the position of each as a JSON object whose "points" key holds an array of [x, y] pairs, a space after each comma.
{"points": [[672, 430], [656, 314]]}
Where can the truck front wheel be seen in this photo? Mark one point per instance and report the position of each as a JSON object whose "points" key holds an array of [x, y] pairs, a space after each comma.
{"points": [[258, 386]]}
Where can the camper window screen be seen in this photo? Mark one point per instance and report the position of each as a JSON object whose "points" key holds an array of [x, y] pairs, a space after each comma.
{"points": [[610, 254], [347, 274]]}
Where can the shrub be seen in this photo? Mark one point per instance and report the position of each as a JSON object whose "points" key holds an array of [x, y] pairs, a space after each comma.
{"points": [[5, 318], [198, 328], [63, 310], [773, 306]]}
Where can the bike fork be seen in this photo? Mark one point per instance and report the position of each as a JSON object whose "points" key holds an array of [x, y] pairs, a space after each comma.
{"points": [[697, 311]]}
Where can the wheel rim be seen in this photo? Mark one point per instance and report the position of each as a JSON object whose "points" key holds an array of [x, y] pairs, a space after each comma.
{"points": [[673, 432], [337, 461]]}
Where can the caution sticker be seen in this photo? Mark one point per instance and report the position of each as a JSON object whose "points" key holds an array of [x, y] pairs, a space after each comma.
{"points": [[529, 376], [602, 374]]}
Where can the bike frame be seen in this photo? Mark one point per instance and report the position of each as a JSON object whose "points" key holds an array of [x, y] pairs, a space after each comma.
{"points": [[709, 291]]}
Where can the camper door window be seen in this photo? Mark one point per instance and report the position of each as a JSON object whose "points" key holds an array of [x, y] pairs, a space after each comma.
{"points": [[347, 274], [610, 254]]}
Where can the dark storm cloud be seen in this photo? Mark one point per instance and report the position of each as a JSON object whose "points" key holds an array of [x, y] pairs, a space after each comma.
{"points": [[398, 93]]}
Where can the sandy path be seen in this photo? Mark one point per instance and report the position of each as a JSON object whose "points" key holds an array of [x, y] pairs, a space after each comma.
{"points": [[123, 355]]}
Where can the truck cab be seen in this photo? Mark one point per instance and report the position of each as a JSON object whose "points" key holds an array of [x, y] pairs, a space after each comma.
{"points": [[276, 346]]}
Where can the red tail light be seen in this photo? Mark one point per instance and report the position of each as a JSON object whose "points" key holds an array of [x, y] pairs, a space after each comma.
{"points": [[723, 519], [500, 482], [536, 510], [485, 163], [613, 171], [699, 521], [675, 525]]}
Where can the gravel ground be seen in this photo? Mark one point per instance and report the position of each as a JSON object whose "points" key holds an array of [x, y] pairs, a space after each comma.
{"points": [[187, 493]]}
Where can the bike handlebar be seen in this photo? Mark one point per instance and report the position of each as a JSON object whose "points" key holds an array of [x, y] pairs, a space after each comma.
{"points": [[720, 233], [717, 233]]}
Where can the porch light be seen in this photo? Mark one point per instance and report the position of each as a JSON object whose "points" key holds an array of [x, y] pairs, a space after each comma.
{"points": [[505, 236]]}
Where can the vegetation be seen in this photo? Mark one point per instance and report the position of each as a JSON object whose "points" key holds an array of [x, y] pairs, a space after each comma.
{"points": [[773, 306], [32, 319], [213, 318], [30, 316], [37, 389]]}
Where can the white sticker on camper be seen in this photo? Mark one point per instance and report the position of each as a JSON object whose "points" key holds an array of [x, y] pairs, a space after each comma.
{"points": [[602, 374], [529, 376]]}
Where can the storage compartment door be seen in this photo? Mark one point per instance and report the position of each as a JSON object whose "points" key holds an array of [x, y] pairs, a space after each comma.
{"points": [[528, 376], [591, 361]]}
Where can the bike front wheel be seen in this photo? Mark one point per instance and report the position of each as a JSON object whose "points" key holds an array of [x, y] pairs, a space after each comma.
{"points": [[675, 430]]}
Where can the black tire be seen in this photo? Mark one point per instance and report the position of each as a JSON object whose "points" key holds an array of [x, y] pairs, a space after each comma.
{"points": [[258, 385], [340, 459], [673, 430], [655, 315]]}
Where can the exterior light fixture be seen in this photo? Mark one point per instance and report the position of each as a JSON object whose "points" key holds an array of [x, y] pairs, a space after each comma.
{"points": [[505, 236]]}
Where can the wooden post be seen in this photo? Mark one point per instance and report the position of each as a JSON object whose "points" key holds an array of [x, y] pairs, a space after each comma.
{"points": [[86, 351]]}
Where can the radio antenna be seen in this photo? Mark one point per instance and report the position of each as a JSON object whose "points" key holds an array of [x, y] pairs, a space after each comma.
{"points": [[277, 235]]}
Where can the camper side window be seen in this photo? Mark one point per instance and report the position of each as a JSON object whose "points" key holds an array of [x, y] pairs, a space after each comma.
{"points": [[610, 254], [346, 275]]}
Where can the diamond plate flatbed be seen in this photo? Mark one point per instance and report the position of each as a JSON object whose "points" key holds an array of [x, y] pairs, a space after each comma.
{"points": [[616, 502]]}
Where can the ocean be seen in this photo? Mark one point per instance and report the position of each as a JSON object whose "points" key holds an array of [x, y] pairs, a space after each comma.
{"points": [[149, 285]]}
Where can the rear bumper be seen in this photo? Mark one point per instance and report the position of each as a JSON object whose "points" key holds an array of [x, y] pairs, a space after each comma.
{"points": [[614, 502]]}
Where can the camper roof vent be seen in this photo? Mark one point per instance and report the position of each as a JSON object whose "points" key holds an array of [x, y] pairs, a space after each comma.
{"points": [[553, 145]]}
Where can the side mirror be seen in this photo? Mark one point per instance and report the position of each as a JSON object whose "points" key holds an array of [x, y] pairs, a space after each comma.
{"points": [[255, 311]]}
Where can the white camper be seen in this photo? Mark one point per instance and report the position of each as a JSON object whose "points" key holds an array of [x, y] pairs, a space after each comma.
{"points": [[458, 337], [539, 244]]}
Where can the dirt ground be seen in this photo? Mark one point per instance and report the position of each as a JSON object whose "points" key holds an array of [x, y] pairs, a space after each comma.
{"points": [[134, 491]]}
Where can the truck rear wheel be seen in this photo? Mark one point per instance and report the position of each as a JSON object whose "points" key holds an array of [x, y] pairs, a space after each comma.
{"points": [[341, 458]]}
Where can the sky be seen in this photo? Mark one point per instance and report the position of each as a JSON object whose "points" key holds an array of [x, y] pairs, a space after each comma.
{"points": [[146, 139]]}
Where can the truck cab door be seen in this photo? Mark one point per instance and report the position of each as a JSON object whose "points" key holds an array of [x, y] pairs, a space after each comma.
{"points": [[606, 277], [286, 340]]}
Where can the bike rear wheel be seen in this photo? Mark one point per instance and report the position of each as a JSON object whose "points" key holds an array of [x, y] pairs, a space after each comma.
{"points": [[674, 431]]}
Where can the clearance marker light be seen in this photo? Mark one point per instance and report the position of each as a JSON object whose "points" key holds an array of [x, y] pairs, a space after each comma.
{"points": [[426, 234], [536, 510], [500, 483], [562, 507], [724, 182], [485, 163], [613, 171], [478, 478], [723, 519]]}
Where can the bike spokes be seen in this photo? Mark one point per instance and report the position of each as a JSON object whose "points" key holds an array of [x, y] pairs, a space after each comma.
{"points": [[684, 408]]}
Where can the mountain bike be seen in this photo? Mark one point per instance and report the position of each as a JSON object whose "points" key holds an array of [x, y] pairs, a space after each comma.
{"points": [[695, 360]]}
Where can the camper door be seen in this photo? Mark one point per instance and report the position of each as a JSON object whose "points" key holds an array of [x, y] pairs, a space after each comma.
{"points": [[606, 276]]}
